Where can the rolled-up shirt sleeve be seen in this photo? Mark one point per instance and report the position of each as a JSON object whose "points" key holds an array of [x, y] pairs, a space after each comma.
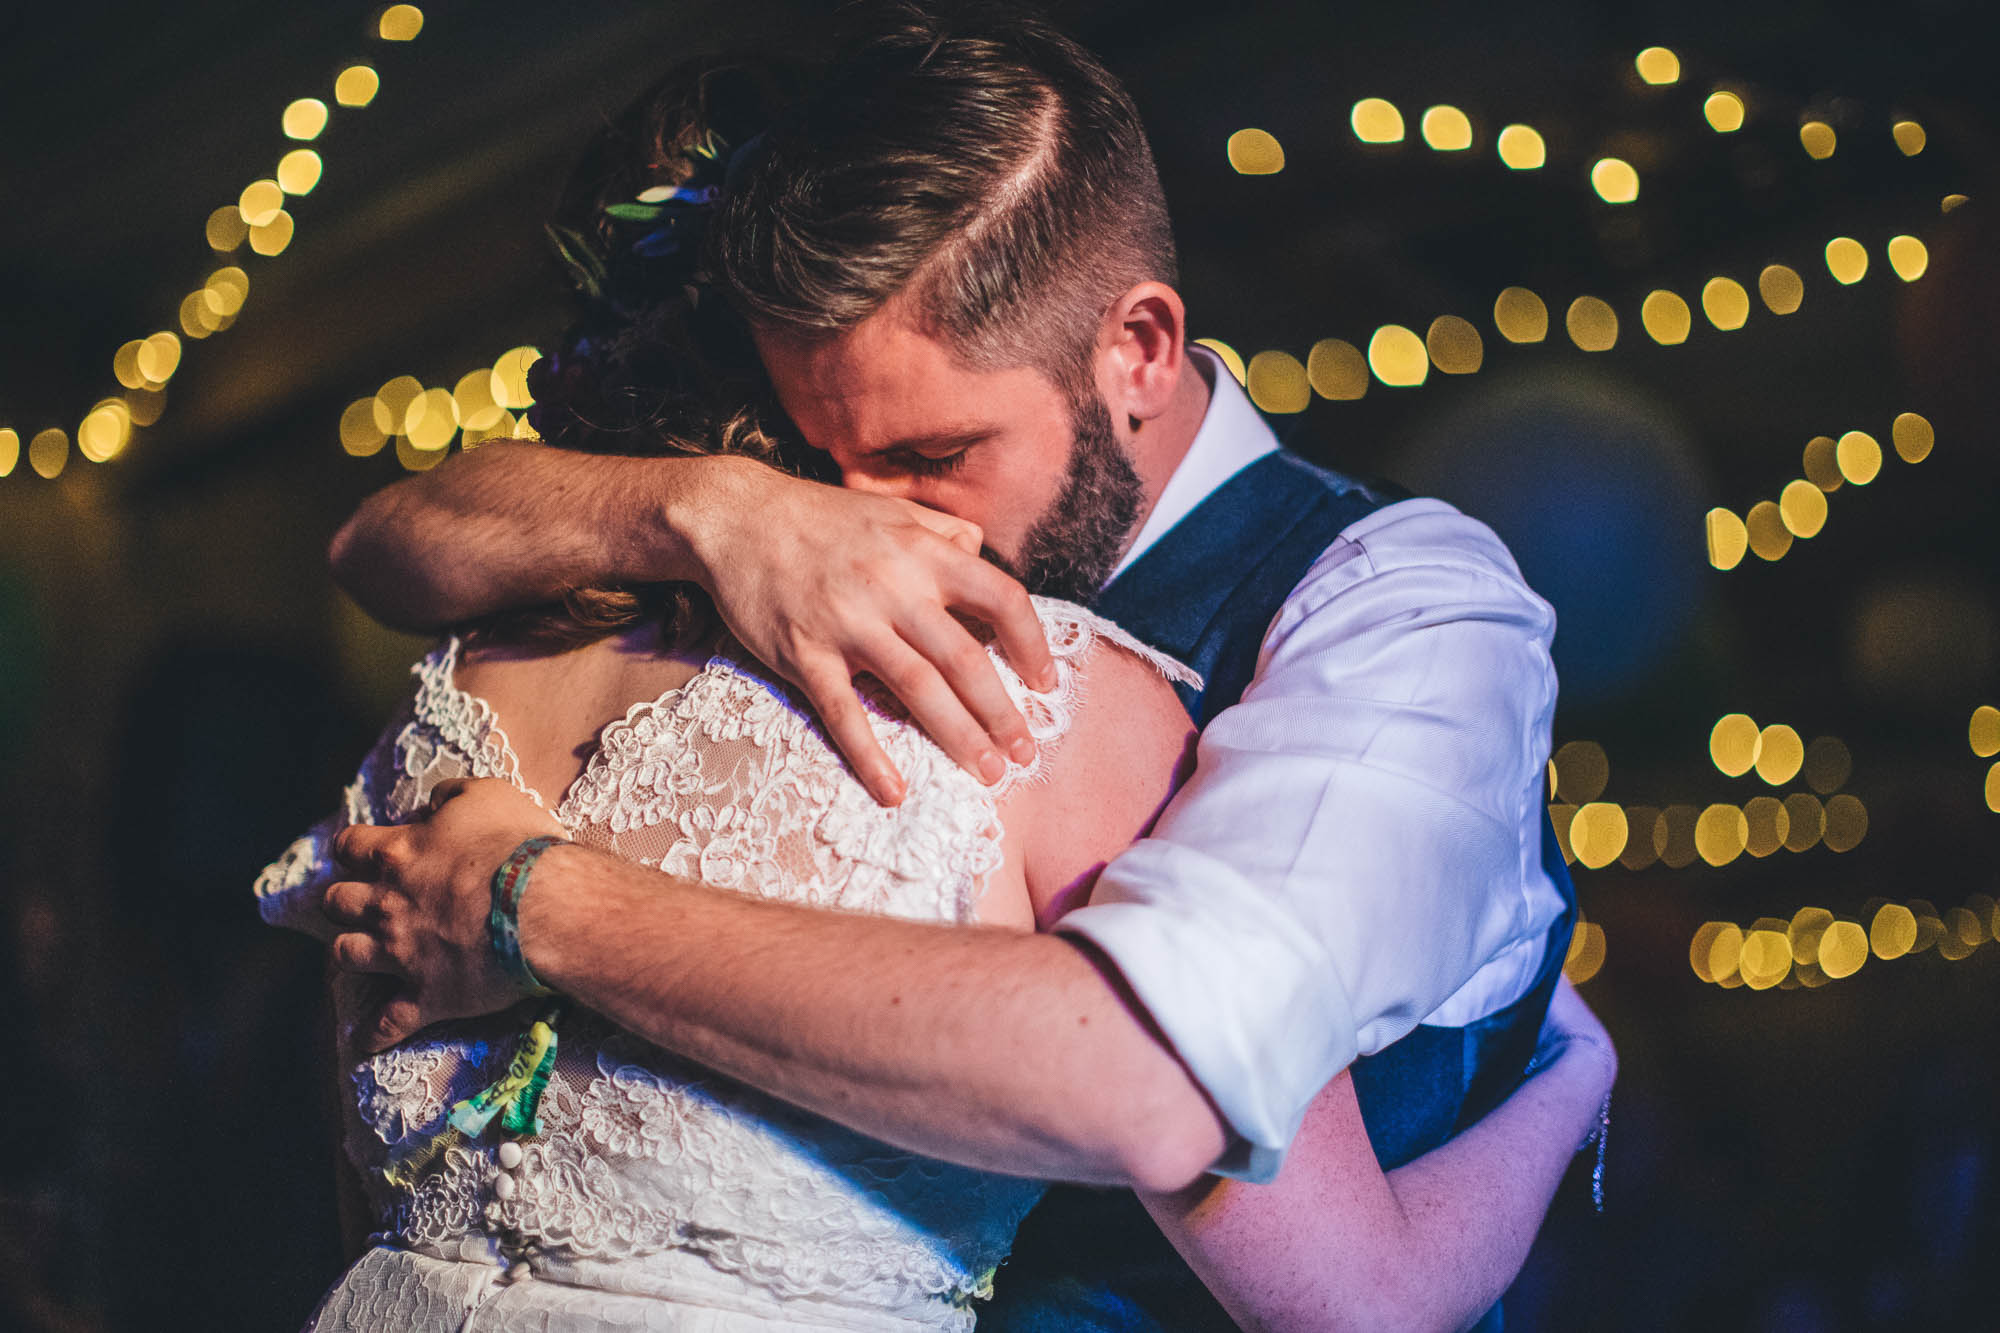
{"points": [[1360, 842]]}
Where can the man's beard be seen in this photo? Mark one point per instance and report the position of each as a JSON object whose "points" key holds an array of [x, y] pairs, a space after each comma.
{"points": [[1073, 547]]}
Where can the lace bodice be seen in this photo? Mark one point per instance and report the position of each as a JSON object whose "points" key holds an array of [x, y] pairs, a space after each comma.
{"points": [[653, 1180]]}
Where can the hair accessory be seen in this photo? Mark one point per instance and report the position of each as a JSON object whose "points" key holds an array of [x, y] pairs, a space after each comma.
{"points": [[503, 923]]}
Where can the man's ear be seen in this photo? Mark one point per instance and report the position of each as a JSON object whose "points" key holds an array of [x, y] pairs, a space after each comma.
{"points": [[1142, 352]]}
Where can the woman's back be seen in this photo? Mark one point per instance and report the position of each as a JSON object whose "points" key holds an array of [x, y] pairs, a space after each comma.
{"points": [[652, 1186]]}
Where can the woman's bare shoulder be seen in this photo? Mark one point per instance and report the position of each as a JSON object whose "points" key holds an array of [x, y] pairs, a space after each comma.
{"points": [[1120, 745]]}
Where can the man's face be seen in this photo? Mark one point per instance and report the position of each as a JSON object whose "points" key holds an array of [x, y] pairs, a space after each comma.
{"points": [[899, 414]]}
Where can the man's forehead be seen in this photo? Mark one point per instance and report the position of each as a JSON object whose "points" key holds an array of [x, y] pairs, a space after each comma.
{"points": [[885, 385]]}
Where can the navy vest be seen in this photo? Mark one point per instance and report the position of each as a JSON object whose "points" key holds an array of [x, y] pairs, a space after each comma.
{"points": [[1207, 592]]}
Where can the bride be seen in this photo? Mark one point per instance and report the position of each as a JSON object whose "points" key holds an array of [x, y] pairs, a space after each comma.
{"points": [[541, 1168]]}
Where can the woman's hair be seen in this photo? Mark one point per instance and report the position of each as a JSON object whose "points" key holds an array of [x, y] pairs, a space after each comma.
{"points": [[653, 364]]}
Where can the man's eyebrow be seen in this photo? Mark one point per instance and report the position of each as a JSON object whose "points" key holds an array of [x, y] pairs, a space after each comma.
{"points": [[943, 439]]}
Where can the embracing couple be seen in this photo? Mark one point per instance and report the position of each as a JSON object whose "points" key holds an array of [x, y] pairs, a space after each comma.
{"points": [[762, 894]]}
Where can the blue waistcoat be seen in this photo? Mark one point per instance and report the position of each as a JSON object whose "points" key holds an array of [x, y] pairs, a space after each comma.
{"points": [[1207, 592]]}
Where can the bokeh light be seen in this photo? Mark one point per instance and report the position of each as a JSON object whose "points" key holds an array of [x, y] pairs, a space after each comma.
{"points": [[356, 86], [299, 171], [1598, 834], [1721, 834], [260, 202], [1337, 370], [271, 238], [1828, 764], [305, 118], [1582, 771], [1657, 65], [1818, 139], [1821, 463], [510, 377], [1725, 303], [1520, 316], [1256, 153], [1592, 324], [1586, 953], [1674, 836], [1910, 137], [400, 23], [1769, 537], [1893, 933], [1843, 949], [1913, 437], [1728, 539], [1802, 505], [1615, 180], [1231, 359], [48, 453], [1846, 260], [1376, 121], [1766, 958], [1782, 289], [1765, 825], [1984, 731], [1724, 112], [10, 450], [1733, 744], [1446, 129], [1398, 357], [226, 228], [1666, 317], [1277, 383], [1780, 753], [392, 403], [361, 436], [1454, 345], [1846, 823], [1805, 822], [1908, 257], [1521, 148], [1859, 457]]}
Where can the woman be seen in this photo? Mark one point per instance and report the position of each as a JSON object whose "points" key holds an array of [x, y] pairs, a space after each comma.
{"points": [[541, 1167]]}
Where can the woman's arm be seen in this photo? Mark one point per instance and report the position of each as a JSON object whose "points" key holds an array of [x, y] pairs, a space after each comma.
{"points": [[1334, 1243]]}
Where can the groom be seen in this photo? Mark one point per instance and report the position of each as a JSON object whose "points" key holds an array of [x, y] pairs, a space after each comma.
{"points": [[957, 269]]}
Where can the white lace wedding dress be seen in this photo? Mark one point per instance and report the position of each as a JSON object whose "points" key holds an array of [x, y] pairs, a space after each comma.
{"points": [[658, 1195]]}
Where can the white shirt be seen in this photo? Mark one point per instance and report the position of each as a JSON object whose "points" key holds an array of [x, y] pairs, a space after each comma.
{"points": [[1359, 848]]}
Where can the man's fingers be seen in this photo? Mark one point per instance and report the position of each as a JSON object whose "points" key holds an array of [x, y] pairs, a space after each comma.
{"points": [[992, 596], [357, 951], [352, 904], [447, 790], [967, 537], [358, 848], [831, 688], [957, 697], [396, 1021]]}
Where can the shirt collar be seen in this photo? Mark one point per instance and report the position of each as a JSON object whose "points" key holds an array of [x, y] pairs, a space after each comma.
{"points": [[1232, 436]]}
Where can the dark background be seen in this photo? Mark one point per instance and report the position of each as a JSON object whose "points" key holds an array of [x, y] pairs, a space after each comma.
{"points": [[182, 690]]}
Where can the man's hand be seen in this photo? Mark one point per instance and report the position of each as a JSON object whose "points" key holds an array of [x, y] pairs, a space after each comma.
{"points": [[824, 584], [416, 904]]}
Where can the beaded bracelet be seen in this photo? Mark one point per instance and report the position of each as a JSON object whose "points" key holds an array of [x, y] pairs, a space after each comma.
{"points": [[503, 923]]}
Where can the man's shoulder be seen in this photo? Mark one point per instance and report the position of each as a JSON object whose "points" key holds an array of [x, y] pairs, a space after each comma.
{"points": [[1420, 545]]}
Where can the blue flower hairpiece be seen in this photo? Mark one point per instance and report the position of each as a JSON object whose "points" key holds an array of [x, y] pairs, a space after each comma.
{"points": [[675, 215]]}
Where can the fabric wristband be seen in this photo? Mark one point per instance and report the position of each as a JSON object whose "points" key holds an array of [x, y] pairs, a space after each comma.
{"points": [[503, 923]]}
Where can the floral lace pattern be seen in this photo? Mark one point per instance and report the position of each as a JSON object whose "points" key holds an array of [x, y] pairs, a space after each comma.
{"points": [[647, 1163]]}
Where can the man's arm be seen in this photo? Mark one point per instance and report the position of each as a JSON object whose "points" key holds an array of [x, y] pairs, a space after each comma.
{"points": [[1361, 835], [820, 584], [1333, 1243], [991, 1047]]}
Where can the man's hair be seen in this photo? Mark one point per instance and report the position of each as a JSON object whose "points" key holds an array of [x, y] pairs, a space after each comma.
{"points": [[972, 157]]}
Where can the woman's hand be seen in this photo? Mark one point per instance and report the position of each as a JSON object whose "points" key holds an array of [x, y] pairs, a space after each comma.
{"points": [[823, 584]]}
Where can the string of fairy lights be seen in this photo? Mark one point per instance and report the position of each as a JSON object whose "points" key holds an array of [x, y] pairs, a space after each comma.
{"points": [[258, 219], [1815, 946]]}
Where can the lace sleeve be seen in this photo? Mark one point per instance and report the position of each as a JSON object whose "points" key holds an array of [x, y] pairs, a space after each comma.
{"points": [[289, 889], [1072, 631]]}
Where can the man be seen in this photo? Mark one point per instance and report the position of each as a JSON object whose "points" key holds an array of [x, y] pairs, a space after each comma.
{"points": [[956, 266]]}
